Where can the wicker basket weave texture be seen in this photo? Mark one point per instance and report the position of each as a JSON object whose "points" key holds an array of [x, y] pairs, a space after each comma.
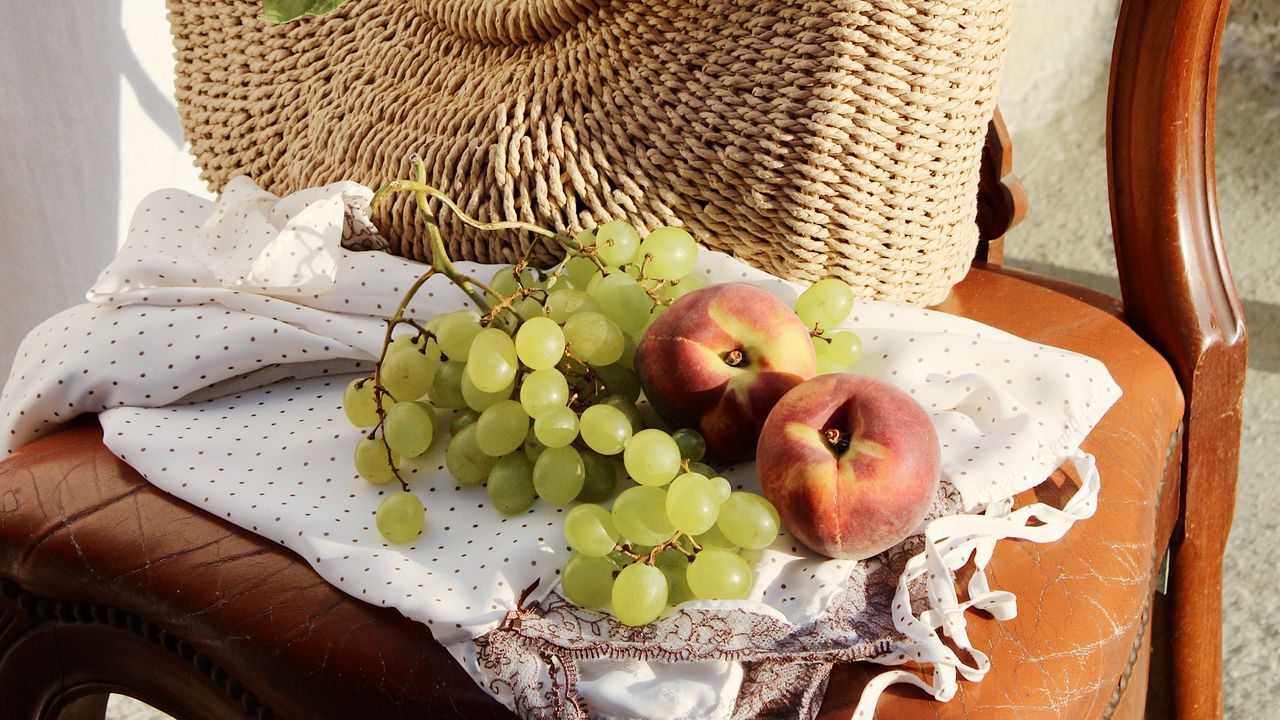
{"points": [[810, 137]]}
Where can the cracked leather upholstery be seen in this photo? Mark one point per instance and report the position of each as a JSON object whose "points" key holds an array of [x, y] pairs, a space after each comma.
{"points": [[1082, 599], [77, 524]]}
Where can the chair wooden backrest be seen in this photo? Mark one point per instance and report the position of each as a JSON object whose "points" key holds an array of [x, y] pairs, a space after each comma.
{"points": [[1178, 294]]}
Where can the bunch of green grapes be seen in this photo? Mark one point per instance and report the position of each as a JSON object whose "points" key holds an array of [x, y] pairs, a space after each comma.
{"points": [[823, 306], [541, 378], [673, 536]]}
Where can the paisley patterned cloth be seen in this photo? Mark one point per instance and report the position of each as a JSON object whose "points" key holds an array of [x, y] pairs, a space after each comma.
{"points": [[216, 347]]}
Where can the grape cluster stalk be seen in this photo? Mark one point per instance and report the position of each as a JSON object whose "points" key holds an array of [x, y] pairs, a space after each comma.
{"points": [[547, 407]]}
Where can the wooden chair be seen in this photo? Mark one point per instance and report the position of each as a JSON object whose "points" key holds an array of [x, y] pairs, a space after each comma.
{"points": [[109, 585]]}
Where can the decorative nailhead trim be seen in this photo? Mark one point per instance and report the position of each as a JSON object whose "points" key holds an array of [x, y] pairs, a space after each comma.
{"points": [[1123, 684]]}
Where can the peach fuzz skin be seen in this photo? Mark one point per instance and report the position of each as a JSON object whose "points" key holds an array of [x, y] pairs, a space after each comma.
{"points": [[685, 366], [865, 496]]}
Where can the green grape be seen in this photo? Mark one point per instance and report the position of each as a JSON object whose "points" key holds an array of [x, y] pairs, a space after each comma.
{"points": [[747, 522], [675, 290], [826, 366], [821, 348], [533, 447], [652, 458], [400, 517], [692, 445], [600, 477], [675, 566], [846, 348], [412, 341], [669, 253], [373, 462], [723, 489], [719, 575], [406, 373], [510, 486], [569, 366], [595, 283], [492, 363], [604, 429], [358, 403], [433, 324], [556, 427], [446, 390], [639, 594], [623, 301], [501, 428], [825, 304], [628, 408], [594, 338], [702, 468], [529, 308], [620, 380], [622, 560], [503, 281], [543, 390], [461, 419], [650, 416], [616, 242], [588, 581], [564, 304], [580, 268], [763, 502], [713, 538], [640, 514], [456, 331], [477, 399], [628, 360], [589, 530], [558, 475], [540, 343], [505, 284], [409, 428], [464, 459], [692, 504], [655, 312], [430, 346]]}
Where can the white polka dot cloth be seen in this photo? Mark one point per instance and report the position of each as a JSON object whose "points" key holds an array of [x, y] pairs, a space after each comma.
{"points": [[217, 344]]}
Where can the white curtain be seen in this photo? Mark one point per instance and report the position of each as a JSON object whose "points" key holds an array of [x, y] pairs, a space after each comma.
{"points": [[88, 127]]}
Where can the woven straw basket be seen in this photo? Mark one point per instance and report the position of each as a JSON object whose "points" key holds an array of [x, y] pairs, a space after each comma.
{"points": [[809, 137]]}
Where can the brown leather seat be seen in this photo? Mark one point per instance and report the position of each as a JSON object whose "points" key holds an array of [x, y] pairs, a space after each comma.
{"points": [[110, 584]]}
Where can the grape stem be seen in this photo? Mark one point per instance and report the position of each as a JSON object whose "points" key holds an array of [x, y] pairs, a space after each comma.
{"points": [[652, 557], [589, 376], [378, 389], [421, 190], [478, 292], [506, 303]]}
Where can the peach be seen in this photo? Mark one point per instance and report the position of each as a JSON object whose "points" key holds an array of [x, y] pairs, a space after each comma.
{"points": [[851, 463], [719, 358]]}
